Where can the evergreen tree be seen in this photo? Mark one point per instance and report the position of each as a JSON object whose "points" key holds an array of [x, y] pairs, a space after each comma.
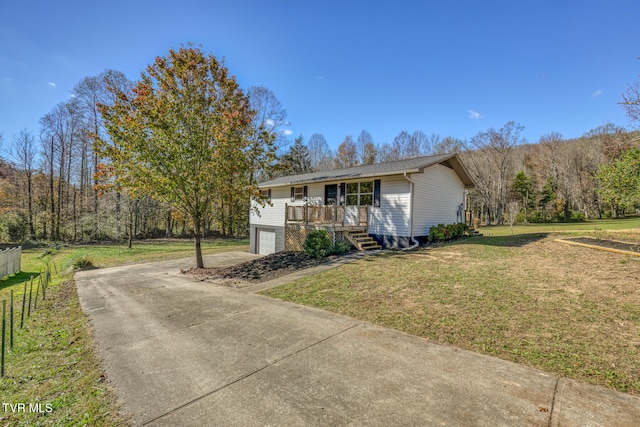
{"points": [[296, 160]]}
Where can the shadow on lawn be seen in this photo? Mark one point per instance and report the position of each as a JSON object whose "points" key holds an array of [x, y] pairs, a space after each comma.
{"points": [[17, 278], [514, 240]]}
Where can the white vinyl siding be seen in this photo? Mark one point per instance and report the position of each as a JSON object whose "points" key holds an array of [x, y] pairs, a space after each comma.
{"points": [[315, 194], [392, 217], [280, 197], [438, 195], [273, 215]]}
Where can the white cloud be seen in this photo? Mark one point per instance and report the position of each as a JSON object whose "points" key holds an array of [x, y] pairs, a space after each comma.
{"points": [[474, 115], [52, 84], [596, 93], [287, 132]]}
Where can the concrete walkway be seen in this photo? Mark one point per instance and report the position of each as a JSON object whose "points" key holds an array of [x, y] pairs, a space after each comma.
{"points": [[189, 353]]}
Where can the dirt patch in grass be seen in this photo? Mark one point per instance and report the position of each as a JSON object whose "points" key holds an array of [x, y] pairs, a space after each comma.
{"points": [[611, 244], [569, 310], [258, 270]]}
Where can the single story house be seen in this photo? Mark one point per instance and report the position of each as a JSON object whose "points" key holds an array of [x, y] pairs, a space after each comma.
{"points": [[386, 204]]}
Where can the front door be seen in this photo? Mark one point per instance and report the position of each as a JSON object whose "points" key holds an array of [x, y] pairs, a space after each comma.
{"points": [[331, 194]]}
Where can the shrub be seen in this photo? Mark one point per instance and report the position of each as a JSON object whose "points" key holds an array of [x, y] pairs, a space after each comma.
{"points": [[13, 226], [341, 248], [577, 216], [457, 230], [443, 233], [317, 244], [437, 233], [82, 263]]}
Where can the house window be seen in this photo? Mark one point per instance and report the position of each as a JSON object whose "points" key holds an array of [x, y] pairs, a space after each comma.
{"points": [[298, 193], [360, 193], [266, 194]]}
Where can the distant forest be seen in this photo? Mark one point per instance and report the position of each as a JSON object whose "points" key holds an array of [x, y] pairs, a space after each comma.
{"points": [[50, 188]]}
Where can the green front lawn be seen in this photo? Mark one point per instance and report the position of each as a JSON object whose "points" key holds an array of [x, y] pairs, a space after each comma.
{"points": [[594, 225], [568, 310]]}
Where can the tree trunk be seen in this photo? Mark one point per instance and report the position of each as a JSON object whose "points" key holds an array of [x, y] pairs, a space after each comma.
{"points": [[75, 215], [118, 201], [196, 235], [168, 224], [32, 231], [130, 229], [96, 223], [51, 191]]}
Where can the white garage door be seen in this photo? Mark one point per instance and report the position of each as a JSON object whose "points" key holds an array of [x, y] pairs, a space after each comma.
{"points": [[266, 242]]}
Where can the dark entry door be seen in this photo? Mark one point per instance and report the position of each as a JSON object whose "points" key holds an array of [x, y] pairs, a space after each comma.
{"points": [[331, 194]]}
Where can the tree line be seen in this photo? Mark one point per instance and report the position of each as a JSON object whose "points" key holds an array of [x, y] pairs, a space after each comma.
{"points": [[56, 184], [316, 153], [552, 179], [97, 167]]}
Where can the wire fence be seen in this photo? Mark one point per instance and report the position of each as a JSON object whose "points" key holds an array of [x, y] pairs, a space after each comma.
{"points": [[10, 261], [33, 288]]}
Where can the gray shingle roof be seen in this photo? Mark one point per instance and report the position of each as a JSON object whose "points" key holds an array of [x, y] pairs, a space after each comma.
{"points": [[378, 169]]}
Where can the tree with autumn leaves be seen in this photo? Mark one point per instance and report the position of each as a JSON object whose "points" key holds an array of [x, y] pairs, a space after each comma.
{"points": [[184, 136]]}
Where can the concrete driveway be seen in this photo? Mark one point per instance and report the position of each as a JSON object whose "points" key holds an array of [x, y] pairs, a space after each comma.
{"points": [[188, 353]]}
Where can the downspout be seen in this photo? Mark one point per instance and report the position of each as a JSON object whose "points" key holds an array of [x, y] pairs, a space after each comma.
{"points": [[415, 242]]}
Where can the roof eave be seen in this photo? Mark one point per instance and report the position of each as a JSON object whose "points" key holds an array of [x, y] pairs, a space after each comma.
{"points": [[267, 184]]}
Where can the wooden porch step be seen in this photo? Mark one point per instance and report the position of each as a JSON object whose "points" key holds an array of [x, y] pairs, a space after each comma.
{"points": [[362, 241], [360, 235], [370, 245]]}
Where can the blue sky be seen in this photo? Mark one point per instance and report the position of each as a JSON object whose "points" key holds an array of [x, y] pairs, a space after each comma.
{"points": [[454, 68]]}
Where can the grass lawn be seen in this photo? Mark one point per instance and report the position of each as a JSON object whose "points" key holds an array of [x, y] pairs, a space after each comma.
{"points": [[568, 310], [595, 225], [53, 359]]}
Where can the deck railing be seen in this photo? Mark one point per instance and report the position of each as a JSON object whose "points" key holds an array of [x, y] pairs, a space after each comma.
{"points": [[329, 215]]}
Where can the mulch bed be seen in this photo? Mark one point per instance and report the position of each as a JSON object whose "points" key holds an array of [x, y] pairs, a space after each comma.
{"points": [[612, 244], [258, 270]]}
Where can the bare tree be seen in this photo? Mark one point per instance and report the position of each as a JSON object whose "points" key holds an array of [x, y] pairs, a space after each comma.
{"points": [[270, 115], [478, 164], [365, 148], [446, 145], [90, 92], [25, 153], [347, 153], [631, 102], [414, 147], [498, 146], [513, 208], [399, 145], [320, 154], [614, 140], [60, 131]]}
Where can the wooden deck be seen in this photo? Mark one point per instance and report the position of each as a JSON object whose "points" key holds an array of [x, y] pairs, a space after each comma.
{"points": [[327, 216], [346, 223]]}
